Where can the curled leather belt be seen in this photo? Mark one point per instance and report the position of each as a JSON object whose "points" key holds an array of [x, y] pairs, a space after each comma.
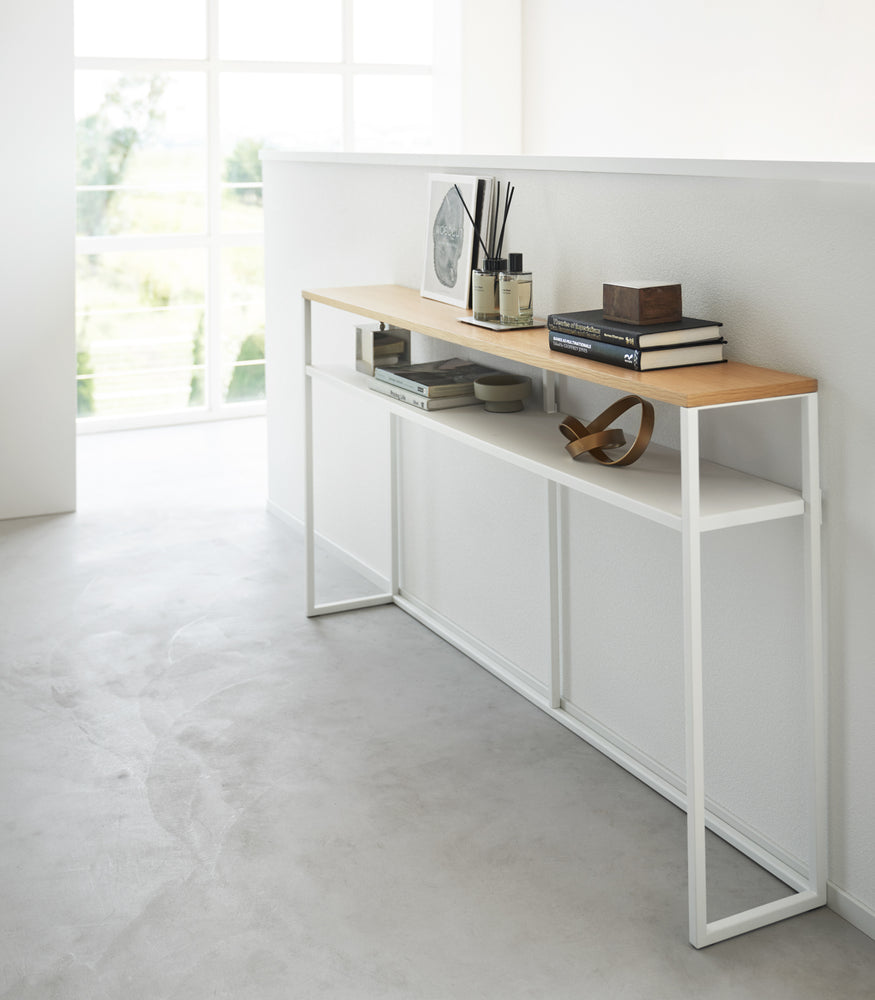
{"points": [[593, 438]]}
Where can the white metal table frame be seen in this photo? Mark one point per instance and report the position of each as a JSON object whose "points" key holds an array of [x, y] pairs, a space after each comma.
{"points": [[810, 889]]}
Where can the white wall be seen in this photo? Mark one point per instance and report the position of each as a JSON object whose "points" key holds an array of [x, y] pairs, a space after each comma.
{"points": [[477, 86], [37, 373], [785, 265], [747, 79]]}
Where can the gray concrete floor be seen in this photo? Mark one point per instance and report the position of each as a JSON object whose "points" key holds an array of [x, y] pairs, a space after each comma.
{"points": [[206, 795]]}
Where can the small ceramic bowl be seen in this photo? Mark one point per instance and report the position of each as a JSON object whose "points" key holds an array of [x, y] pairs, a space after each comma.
{"points": [[502, 393]]}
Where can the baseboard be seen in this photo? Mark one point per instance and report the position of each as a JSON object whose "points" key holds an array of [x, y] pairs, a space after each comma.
{"points": [[283, 515], [486, 657], [732, 828], [851, 909], [325, 545]]}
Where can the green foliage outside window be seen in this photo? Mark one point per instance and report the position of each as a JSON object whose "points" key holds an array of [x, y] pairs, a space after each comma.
{"points": [[84, 386], [197, 393], [105, 141], [247, 381], [243, 166]]}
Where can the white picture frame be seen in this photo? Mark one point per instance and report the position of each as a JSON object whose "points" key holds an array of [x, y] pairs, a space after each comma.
{"points": [[450, 251]]}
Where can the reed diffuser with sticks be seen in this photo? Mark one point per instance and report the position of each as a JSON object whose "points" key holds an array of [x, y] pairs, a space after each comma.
{"points": [[484, 279]]}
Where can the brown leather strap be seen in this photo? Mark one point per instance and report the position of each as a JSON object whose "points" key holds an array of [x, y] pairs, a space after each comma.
{"points": [[590, 439]]}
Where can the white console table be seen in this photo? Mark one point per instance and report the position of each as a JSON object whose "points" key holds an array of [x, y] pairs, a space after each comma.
{"points": [[673, 488]]}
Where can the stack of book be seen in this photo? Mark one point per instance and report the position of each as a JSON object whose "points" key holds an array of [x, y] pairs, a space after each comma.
{"points": [[588, 334], [432, 385]]}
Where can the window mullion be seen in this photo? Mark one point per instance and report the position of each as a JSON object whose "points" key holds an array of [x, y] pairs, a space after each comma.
{"points": [[130, 64], [213, 339]]}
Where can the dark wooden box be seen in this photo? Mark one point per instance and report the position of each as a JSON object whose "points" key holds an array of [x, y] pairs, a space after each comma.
{"points": [[642, 304]]}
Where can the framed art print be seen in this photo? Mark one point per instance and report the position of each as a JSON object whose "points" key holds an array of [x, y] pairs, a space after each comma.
{"points": [[449, 238]]}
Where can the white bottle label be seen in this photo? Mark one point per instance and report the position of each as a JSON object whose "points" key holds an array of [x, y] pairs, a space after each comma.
{"points": [[484, 295], [508, 299]]}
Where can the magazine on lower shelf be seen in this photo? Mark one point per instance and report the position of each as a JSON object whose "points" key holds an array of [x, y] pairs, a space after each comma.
{"points": [[420, 401], [447, 377]]}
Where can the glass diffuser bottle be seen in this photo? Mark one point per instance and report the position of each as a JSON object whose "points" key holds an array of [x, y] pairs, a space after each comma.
{"points": [[515, 293], [484, 289]]}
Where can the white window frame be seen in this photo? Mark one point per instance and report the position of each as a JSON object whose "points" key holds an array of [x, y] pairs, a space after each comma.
{"points": [[213, 241]]}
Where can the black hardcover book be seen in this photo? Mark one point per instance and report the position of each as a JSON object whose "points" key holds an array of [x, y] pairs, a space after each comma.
{"points": [[634, 358], [591, 323]]}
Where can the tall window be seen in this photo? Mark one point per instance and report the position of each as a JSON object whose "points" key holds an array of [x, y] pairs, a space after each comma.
{"points": [[175, 99]]}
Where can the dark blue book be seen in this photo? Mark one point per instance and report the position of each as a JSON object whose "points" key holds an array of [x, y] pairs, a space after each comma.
{"points": [[703, 353]]}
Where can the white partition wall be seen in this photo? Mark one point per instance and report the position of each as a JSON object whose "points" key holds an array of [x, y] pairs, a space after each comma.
{"points": [[38, 369], [763, 248]]}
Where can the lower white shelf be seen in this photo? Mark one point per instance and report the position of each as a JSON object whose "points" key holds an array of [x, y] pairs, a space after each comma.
{"points": [[651, 488]]}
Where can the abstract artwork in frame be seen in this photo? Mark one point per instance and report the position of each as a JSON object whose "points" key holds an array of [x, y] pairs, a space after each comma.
{"points": [[451, 248]]}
